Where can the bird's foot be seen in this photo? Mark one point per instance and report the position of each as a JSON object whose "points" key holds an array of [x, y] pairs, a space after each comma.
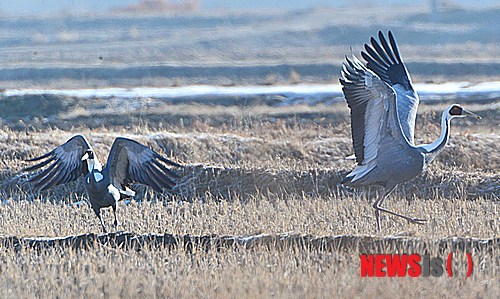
{"points": [[416, 220]]}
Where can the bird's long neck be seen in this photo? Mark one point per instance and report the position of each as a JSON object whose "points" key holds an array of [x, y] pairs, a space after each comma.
{"points": [[94, 178], [433, 149], [90, 165], [95, 174], [94, 164]]}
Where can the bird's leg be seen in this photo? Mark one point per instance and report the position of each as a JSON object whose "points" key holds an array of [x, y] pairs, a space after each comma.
{"points": [[377, 205], [98, 213], [114, 212]]}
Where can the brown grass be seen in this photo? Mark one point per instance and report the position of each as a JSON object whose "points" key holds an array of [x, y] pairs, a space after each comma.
{"points": [[250, 170]]}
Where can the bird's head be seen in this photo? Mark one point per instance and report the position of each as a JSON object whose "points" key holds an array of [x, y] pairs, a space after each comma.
{"points": [[91, 160], [456, 110], [89, 155]]}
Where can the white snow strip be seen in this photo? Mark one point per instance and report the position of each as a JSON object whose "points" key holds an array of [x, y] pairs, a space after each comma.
{"points": [[184, 91], [289, 91], [458, 88]]}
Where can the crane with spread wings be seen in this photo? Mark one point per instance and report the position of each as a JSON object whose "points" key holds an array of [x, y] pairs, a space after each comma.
{"points": [[383, 107], [128, 162]]}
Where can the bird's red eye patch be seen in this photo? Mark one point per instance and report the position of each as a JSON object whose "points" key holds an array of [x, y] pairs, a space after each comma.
{"points": [[456, 110]]}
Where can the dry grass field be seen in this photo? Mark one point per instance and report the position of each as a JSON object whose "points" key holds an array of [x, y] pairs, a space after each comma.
{"points": [[249, 170]]}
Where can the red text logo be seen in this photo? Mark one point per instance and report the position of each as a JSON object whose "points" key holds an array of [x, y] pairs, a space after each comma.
{"points": [[402, 265]]}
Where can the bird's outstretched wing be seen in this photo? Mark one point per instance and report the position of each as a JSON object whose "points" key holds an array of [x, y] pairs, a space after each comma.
{"points": [[370, 101], [384, 60], [131, 162], [365, 95], [64, 164]]}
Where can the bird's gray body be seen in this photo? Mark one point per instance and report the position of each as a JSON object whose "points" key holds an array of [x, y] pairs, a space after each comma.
{"points": [[394, 167], [384, 107], [397, 159]]}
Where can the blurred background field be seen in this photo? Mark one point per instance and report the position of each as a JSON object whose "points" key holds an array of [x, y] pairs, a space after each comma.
{"points": [[171, 43]]}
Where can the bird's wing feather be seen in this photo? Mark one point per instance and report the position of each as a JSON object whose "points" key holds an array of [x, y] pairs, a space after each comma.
{"points": [[370, 101], [64, 162], [366, 109], [384, 60], [130, 161]]}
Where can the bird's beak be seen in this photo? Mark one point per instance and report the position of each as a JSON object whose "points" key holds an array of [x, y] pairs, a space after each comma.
{"points": [[467, 113], [85, 157]]}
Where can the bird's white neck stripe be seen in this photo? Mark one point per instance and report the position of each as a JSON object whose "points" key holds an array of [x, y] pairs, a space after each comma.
{"points": [[93, 164], [445, 122], [90, 164]]}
